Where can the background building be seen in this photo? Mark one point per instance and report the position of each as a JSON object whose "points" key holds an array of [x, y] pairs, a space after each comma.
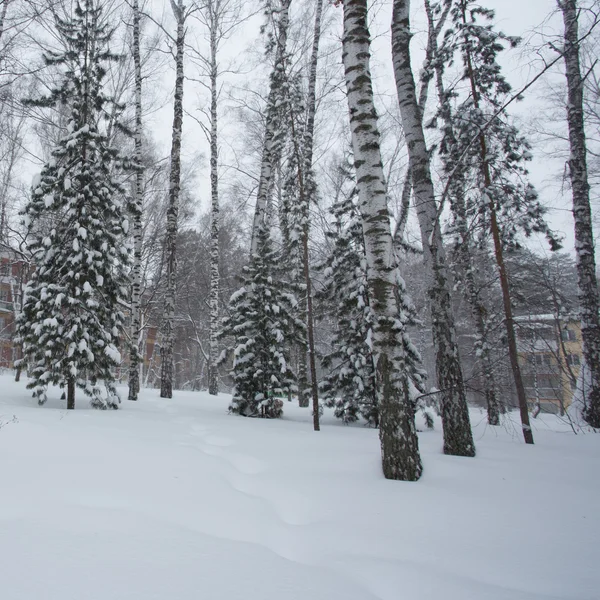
{"points": [[550, 352]]}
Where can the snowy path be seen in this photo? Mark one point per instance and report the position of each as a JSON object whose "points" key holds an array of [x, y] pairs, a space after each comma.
{"points": [[176, 499]]}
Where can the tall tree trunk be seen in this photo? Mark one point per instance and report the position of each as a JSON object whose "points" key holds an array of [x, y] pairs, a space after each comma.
{"points": [[136, 321], [399, 442], [434, 28], [213, 371], [582, 214], [273, 140], [308, 192], [166, 372], [458, 439], [499, 254]]}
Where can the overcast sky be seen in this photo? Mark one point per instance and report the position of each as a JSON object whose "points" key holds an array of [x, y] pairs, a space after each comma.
{"points": [[530, 19]]}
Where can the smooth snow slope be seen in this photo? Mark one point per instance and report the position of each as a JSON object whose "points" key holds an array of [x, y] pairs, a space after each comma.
{"points": [[177, 500]]}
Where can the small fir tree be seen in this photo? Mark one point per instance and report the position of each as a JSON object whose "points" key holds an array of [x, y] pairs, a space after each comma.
{"points": [[261, 324], [71, 319], [350, 386]]}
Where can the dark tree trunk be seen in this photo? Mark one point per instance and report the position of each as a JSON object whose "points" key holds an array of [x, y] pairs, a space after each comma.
{"points": [[582, 214], [167, 366], [70, 394]]}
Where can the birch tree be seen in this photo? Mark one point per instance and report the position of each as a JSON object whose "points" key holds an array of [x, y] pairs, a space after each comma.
{"points": [[166, 374], [399, 443], [458, 439], [220, 18], [582, 214], [136, 274]]}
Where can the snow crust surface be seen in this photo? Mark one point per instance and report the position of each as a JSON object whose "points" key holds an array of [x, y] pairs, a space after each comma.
{"points": [[177, 499]]}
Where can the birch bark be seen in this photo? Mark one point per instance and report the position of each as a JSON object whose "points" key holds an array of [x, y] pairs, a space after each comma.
{"points": [[399, 443], [458, 439], [213, 372], [166, 372], [584, 238], [134, 347]]}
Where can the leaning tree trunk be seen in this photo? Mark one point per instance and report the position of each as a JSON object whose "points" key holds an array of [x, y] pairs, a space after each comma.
{"points": [[166, 372], [399, 442], [434, 29], [509, 324], [274, 134], [136, 276], [213, 371], [458, 439], [582, 214]]}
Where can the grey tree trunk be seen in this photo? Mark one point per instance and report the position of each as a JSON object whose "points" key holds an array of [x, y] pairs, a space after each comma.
{"points": [[399, 442], [458, 439], [582, 214], [273, 140], [434, 28], [136, 321], [166, 371], [213, 371]]}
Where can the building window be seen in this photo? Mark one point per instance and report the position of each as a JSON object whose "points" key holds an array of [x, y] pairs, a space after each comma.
{"points": [[3, 298], [569, 335], [4, 269], [543, 360], [573, 360], [4, 333]]}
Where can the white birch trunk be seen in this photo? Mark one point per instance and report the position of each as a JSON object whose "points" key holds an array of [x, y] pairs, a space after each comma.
{"points": [[134, 348], [213, 372], [166, 373], [458, 439], [399, 443], [584, 237]]}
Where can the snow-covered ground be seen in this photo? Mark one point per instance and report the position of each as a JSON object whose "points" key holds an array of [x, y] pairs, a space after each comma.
{"points": [[177, 500]]}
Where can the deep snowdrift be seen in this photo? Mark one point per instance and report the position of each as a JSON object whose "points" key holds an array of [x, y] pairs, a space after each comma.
{"points": [[179, 500]]}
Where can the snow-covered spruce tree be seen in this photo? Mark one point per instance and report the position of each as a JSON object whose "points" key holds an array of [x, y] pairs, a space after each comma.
{"points": [[72, 319], [458, 438], [484, 157], [260, 326], [350, 385], [582, 213], [397, 433]]}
